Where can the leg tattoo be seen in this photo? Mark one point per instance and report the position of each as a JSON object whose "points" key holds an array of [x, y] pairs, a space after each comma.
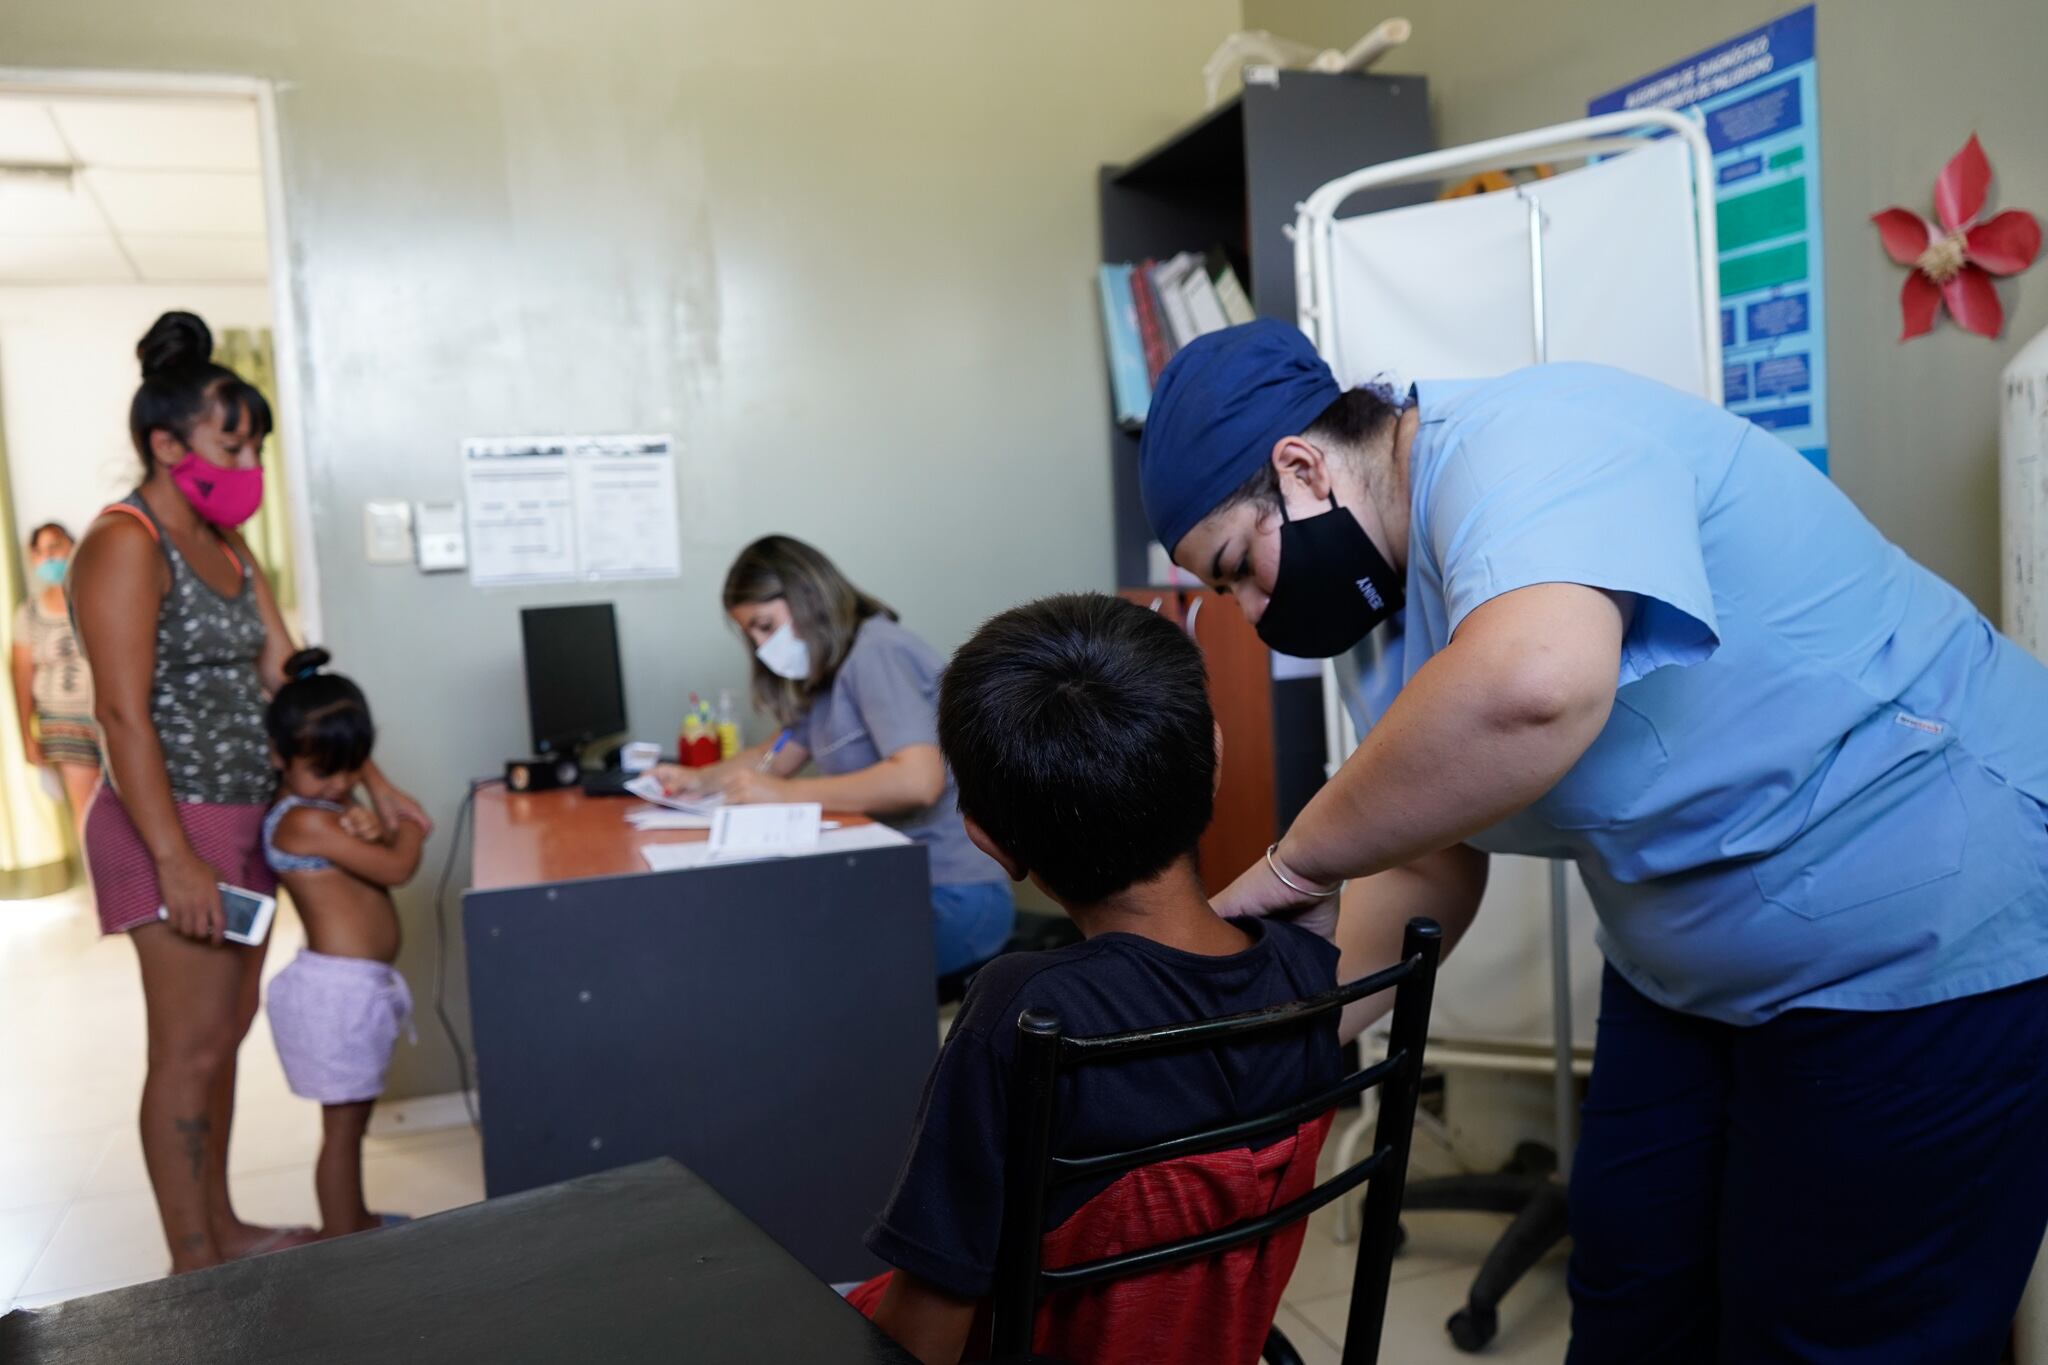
{"points": [[194, 1131]]}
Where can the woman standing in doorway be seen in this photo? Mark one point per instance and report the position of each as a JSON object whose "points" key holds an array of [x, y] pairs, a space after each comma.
{"points": [[857, 695], [184, 639], [52, 686]]}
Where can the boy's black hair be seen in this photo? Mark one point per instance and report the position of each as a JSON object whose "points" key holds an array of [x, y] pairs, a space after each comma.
{"points": [[320, 716], [1079, 733]]}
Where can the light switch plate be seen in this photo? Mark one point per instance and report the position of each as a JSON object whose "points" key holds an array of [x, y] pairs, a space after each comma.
{"points": [[387, 531], [442, 541]]}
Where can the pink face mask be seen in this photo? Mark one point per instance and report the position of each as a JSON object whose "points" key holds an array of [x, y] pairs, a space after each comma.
{"points": [[225, 497]]}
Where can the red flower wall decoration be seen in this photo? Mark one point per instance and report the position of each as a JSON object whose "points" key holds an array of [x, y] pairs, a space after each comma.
{"points": [[1955, 264]]}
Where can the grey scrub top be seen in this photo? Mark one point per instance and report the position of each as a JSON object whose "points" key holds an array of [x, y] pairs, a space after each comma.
{"points": [[885, 698]]}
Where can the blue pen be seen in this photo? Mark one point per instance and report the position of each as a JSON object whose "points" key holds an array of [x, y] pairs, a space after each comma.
{"points": [[769, 758]]}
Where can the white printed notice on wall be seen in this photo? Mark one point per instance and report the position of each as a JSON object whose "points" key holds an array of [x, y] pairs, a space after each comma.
{"points": [[625, 490], [522, 523], [563, 509]]}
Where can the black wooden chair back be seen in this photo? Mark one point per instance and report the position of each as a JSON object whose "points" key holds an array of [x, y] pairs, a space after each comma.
{"points": [[1032, 1171]]}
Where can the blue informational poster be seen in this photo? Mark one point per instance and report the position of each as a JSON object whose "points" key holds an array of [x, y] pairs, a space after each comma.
{"points": [[1755, 97]]}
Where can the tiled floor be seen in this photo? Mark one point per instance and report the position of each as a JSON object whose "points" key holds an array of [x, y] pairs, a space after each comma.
{"points": [[1431, 1276], [76, 1214]]}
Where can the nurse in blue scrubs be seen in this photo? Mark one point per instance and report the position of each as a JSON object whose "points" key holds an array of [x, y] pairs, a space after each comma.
{"points": [[1804, 779]]}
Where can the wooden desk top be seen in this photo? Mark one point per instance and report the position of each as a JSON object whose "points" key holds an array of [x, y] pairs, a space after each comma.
{"points": [[643, 1263], [531, 838]]}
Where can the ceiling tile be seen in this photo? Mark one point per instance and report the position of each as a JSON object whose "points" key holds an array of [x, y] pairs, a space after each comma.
{"points": [[161, 134], [31, 206], [62, 260], [195, 260], [26, 133], [182, 203]]}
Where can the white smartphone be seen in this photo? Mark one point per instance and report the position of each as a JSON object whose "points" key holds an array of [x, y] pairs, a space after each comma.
{"points": [[248, 914]]}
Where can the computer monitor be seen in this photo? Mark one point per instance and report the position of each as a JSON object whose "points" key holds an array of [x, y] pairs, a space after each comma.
{"points": [[574, 691]]}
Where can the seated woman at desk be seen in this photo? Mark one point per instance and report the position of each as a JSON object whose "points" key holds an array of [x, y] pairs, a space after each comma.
{"points": [[857, 696]]}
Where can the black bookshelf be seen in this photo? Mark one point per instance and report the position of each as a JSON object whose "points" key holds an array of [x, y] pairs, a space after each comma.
{"points": [[1233, 179]]}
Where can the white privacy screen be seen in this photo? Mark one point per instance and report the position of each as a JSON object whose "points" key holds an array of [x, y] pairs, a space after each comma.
{"points": [[1443, 290]]}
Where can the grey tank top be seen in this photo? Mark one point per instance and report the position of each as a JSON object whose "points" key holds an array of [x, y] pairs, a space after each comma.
{"points": [[206, 699]]}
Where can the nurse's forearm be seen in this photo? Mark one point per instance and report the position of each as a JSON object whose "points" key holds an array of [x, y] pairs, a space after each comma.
{"points": [[1445, 886], [1482, 730]]}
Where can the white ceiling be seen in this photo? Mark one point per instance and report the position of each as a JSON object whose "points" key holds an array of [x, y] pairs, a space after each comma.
{"points": [[161, 191]]}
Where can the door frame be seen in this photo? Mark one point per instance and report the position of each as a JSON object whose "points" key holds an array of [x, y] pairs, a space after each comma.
{"points": [[284, 331]]}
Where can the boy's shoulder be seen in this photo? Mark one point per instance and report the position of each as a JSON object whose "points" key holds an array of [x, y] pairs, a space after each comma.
{"points": [[1006, 980], [1124, 981]]}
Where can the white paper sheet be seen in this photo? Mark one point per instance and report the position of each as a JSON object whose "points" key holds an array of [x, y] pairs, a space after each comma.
{"points": [[625, 488], [858, 837], [647, 818], [775, 830], [521, 510], [648, 788], [671, 857], [675, 857]]}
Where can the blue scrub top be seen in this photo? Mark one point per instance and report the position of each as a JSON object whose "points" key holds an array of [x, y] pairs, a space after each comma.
{"points": [[1824, 777]]}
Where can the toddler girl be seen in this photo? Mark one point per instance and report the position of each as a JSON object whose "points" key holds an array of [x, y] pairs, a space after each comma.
{"points": [[337, 1010]]}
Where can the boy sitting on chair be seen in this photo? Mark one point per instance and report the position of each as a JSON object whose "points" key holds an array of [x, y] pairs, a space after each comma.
{"points": [[1079, 732]]}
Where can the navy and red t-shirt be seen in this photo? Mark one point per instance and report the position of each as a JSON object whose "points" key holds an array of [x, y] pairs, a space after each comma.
{"points": [[943, 1220]]}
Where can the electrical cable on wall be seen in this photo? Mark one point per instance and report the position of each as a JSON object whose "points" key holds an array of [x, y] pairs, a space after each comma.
{"points": [[462, 1067]]}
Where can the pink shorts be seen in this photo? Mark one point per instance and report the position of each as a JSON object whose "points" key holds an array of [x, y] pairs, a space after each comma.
{"points": [[124, 875]]}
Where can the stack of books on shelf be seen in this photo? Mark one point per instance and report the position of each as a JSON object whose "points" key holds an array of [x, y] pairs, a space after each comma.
{"points": [[1150, 309]]}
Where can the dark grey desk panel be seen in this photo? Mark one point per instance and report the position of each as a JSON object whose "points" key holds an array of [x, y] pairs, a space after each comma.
{"points": [[769, 1024], [642, 1264]]}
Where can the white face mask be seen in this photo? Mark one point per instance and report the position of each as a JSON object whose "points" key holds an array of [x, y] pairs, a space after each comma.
{"points": [[785, 656]]}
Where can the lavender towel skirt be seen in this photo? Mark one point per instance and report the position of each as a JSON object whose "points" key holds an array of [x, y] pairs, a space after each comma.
{"points": [[335, 1021]]}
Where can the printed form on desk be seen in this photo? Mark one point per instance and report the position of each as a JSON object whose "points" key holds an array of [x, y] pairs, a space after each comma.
{"points": [[671, 857], [645, 820], [649, 789], [770, 830]]}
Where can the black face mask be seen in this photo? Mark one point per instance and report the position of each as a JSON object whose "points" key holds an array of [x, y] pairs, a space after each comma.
{"points": [[1334, 586]]}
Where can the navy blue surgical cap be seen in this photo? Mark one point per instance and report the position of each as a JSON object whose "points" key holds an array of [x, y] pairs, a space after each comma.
{"points": [[1219, 407]]}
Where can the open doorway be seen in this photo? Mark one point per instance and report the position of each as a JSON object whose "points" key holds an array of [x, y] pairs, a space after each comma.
{"points": [[122, 197]]}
